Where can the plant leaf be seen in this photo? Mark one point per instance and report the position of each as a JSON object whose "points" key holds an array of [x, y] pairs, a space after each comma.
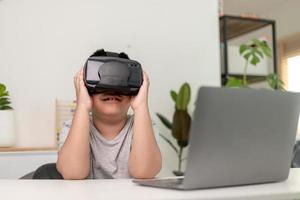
{"points": [[183, 97], [4, 94], [267, 51], [173, 95], [243, 48], [2, 88], [263, 45], [4, 101], [165, 121], [247, 55], [234, 82], [181, 127], [254, 60], [275, 82], [5, 108], [257, 51], [169, 142]]}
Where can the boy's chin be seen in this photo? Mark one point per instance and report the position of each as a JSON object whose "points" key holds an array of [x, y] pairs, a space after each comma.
{"points": [[111, 109], [112, 112]]}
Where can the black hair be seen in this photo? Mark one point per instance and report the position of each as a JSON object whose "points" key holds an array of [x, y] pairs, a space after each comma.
{"points": [[102, 52]]}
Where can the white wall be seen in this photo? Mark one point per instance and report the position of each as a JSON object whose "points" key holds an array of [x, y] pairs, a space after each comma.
{"points": [[43, 43], [287, 17]]}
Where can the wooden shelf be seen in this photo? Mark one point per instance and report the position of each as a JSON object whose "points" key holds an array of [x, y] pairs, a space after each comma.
{"points": [[250, 78], [236, 26], [22, 149]]}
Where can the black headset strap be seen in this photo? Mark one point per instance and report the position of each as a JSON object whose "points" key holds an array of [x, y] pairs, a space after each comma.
{"points": [[112, 54], [102, 52], [119, 55]]}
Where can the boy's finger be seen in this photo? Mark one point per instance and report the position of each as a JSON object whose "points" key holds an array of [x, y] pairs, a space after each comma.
{"points": [[78, 82], [145, 77], [76, 75], [81, 74], [75, 79], [81, 78], [74, 82]]}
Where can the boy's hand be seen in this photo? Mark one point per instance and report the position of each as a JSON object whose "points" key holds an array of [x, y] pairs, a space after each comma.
{"points": [[141, 99], [83, 98]]}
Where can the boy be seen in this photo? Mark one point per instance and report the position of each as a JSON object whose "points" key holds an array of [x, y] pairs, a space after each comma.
{"points": [[110, 144]]}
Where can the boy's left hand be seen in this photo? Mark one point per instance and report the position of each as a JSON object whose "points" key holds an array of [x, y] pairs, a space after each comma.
{"points": [[141, 99]]}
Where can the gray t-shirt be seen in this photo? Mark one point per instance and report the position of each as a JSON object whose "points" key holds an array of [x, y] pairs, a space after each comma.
{"points": [[109, 158]]}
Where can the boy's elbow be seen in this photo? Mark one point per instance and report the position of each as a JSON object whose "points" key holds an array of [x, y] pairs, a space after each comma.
{"points": [[69, 174], [144, 173], [140, 174], [73, 176]]}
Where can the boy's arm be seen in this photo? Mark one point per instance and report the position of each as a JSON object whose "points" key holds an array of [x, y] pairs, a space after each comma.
{"points": [[74, 157], [145, 158]]}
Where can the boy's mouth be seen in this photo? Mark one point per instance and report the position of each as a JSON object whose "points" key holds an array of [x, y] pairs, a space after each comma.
{"points": [[111, 98]]}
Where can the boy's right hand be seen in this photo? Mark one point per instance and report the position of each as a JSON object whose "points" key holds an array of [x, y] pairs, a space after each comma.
{"points": [[83, 98]]}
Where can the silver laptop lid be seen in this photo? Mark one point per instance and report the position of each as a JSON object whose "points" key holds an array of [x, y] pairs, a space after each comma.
{"points": [[241, 136]]}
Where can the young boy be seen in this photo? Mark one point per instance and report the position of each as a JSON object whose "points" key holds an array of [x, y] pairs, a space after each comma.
{"points": [[109, 143]]}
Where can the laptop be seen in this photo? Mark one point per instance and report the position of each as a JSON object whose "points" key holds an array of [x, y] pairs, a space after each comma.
{"points": [[238, 137]]}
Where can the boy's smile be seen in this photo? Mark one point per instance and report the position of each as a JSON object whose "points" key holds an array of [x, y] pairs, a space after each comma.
{"points": [[111, 104], [111, 98]]}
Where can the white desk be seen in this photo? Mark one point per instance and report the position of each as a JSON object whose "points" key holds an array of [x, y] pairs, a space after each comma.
{"points": [[125, 189]]}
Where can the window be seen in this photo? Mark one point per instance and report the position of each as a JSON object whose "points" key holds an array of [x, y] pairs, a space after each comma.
{"points": [[289, 68], [293, 73]]}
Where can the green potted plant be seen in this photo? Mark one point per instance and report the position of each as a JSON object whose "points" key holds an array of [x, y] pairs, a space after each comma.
{"points": [[181, 123], [253, 53], [7, 131]]}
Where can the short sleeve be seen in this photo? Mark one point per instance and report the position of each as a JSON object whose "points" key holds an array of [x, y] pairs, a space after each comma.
{"points": [[64, 133]]}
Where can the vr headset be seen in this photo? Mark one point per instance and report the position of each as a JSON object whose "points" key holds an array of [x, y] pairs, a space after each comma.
{"points": [[112, 74]]}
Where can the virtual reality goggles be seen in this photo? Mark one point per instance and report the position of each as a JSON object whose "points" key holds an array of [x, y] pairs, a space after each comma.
{"points": [[112, 75]]}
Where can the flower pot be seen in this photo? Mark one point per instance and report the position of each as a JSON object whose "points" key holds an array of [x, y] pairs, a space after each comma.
{"points": [[7, 128]]}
